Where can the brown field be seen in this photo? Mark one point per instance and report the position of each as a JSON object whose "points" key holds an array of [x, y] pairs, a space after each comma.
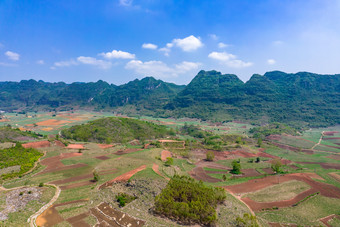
{"points": [[257, 184], [199, 173], [249, 173], [103, 157], [285, 203], [330, 133], [54, 164], [268, 170], [52, 122], [47, 129], [38, 144], [49, 217], [315, 176], [4, 120], [165, 154], [331, 138], [335, 175], [59, 144], [127, 151], [78, 220], [104, 146], [123, 177], [77, 185]]}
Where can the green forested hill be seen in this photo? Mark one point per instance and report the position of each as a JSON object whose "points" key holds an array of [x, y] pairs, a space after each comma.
{"points": [[301, 98], [115, 130]]}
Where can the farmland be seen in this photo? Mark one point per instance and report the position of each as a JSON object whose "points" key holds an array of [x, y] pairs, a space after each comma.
{"points": [[82, 179]]}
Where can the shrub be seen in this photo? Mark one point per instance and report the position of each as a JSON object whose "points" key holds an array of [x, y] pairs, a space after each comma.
{"points": [[123, 199], [95, 176], [169, 161], [41, 184], [210, 156], [236, 167]]}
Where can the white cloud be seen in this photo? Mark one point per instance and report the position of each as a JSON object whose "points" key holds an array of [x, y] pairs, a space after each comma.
{"points": [[65, 63], [159, 69], [93, 61], [188, 44], [222, 45], [213, 36], [83, 60], [277, 42], [118, 54], [271, 62], [149, 46], [229, 59], [40, 62], [12, 56], [125, 2]]}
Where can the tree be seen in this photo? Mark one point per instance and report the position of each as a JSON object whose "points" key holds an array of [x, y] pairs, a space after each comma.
{"points": [[95, 176], [236, 167], [257, 159], [169, 161], [259, 142], [224, 177], [276, 165], [210, 156]]}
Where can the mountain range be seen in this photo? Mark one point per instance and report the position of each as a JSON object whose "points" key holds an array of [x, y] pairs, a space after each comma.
{"points": [[299, 99]]}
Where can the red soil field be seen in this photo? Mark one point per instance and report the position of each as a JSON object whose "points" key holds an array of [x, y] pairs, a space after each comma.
{"points": [[198, 173], [77, 185], [4, 120], [75, 146], [102, 219], [102, 157], [104, 146], [59, 144], [325, 220], [249, 173], [54, 164], [165, 154], [52, 122], [274, 137], [146, 146], [38, 144], [212, 165], [324, 165], [284, 203], [156, 170], [123, 177], [314, 175]]}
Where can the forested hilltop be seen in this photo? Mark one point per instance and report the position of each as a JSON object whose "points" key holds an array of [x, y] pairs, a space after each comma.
{"points": [[302, 98]]}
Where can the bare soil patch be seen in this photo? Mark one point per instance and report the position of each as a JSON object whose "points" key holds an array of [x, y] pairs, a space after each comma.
{"points": [[249, 173], [52, 122], [4, 120], [38, 144], [127, 151], [104, 146], [123, 177], [199, 173], [268, 170], [102, 219], [47, 129], [75, 146], [314, 176], [49, 217], [54, 164], [294, 167], [165, 154], [331, 138], [77, 185], [324, 165], [103, 157]]}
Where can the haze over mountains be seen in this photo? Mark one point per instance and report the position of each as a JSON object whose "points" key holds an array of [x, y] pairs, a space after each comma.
{"points": [[303, 97]]}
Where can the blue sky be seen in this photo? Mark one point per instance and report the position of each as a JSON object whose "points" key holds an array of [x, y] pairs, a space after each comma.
{"points": [[120, 40]]}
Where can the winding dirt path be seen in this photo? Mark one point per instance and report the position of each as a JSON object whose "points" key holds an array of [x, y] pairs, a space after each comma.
{"points": [[319, 141], [32, 219]]}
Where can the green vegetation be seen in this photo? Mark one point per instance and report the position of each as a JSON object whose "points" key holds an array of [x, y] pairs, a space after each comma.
{"points": [[189, 201], [123, 199], [276, 165], [169, 161], [236, 167], [247, 220], [18, 156], [9, 134], [115, 130], [271, 129], [210, 156]]}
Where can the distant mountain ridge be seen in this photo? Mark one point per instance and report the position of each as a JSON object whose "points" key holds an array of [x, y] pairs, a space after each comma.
{"points": [[306, 98]]}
